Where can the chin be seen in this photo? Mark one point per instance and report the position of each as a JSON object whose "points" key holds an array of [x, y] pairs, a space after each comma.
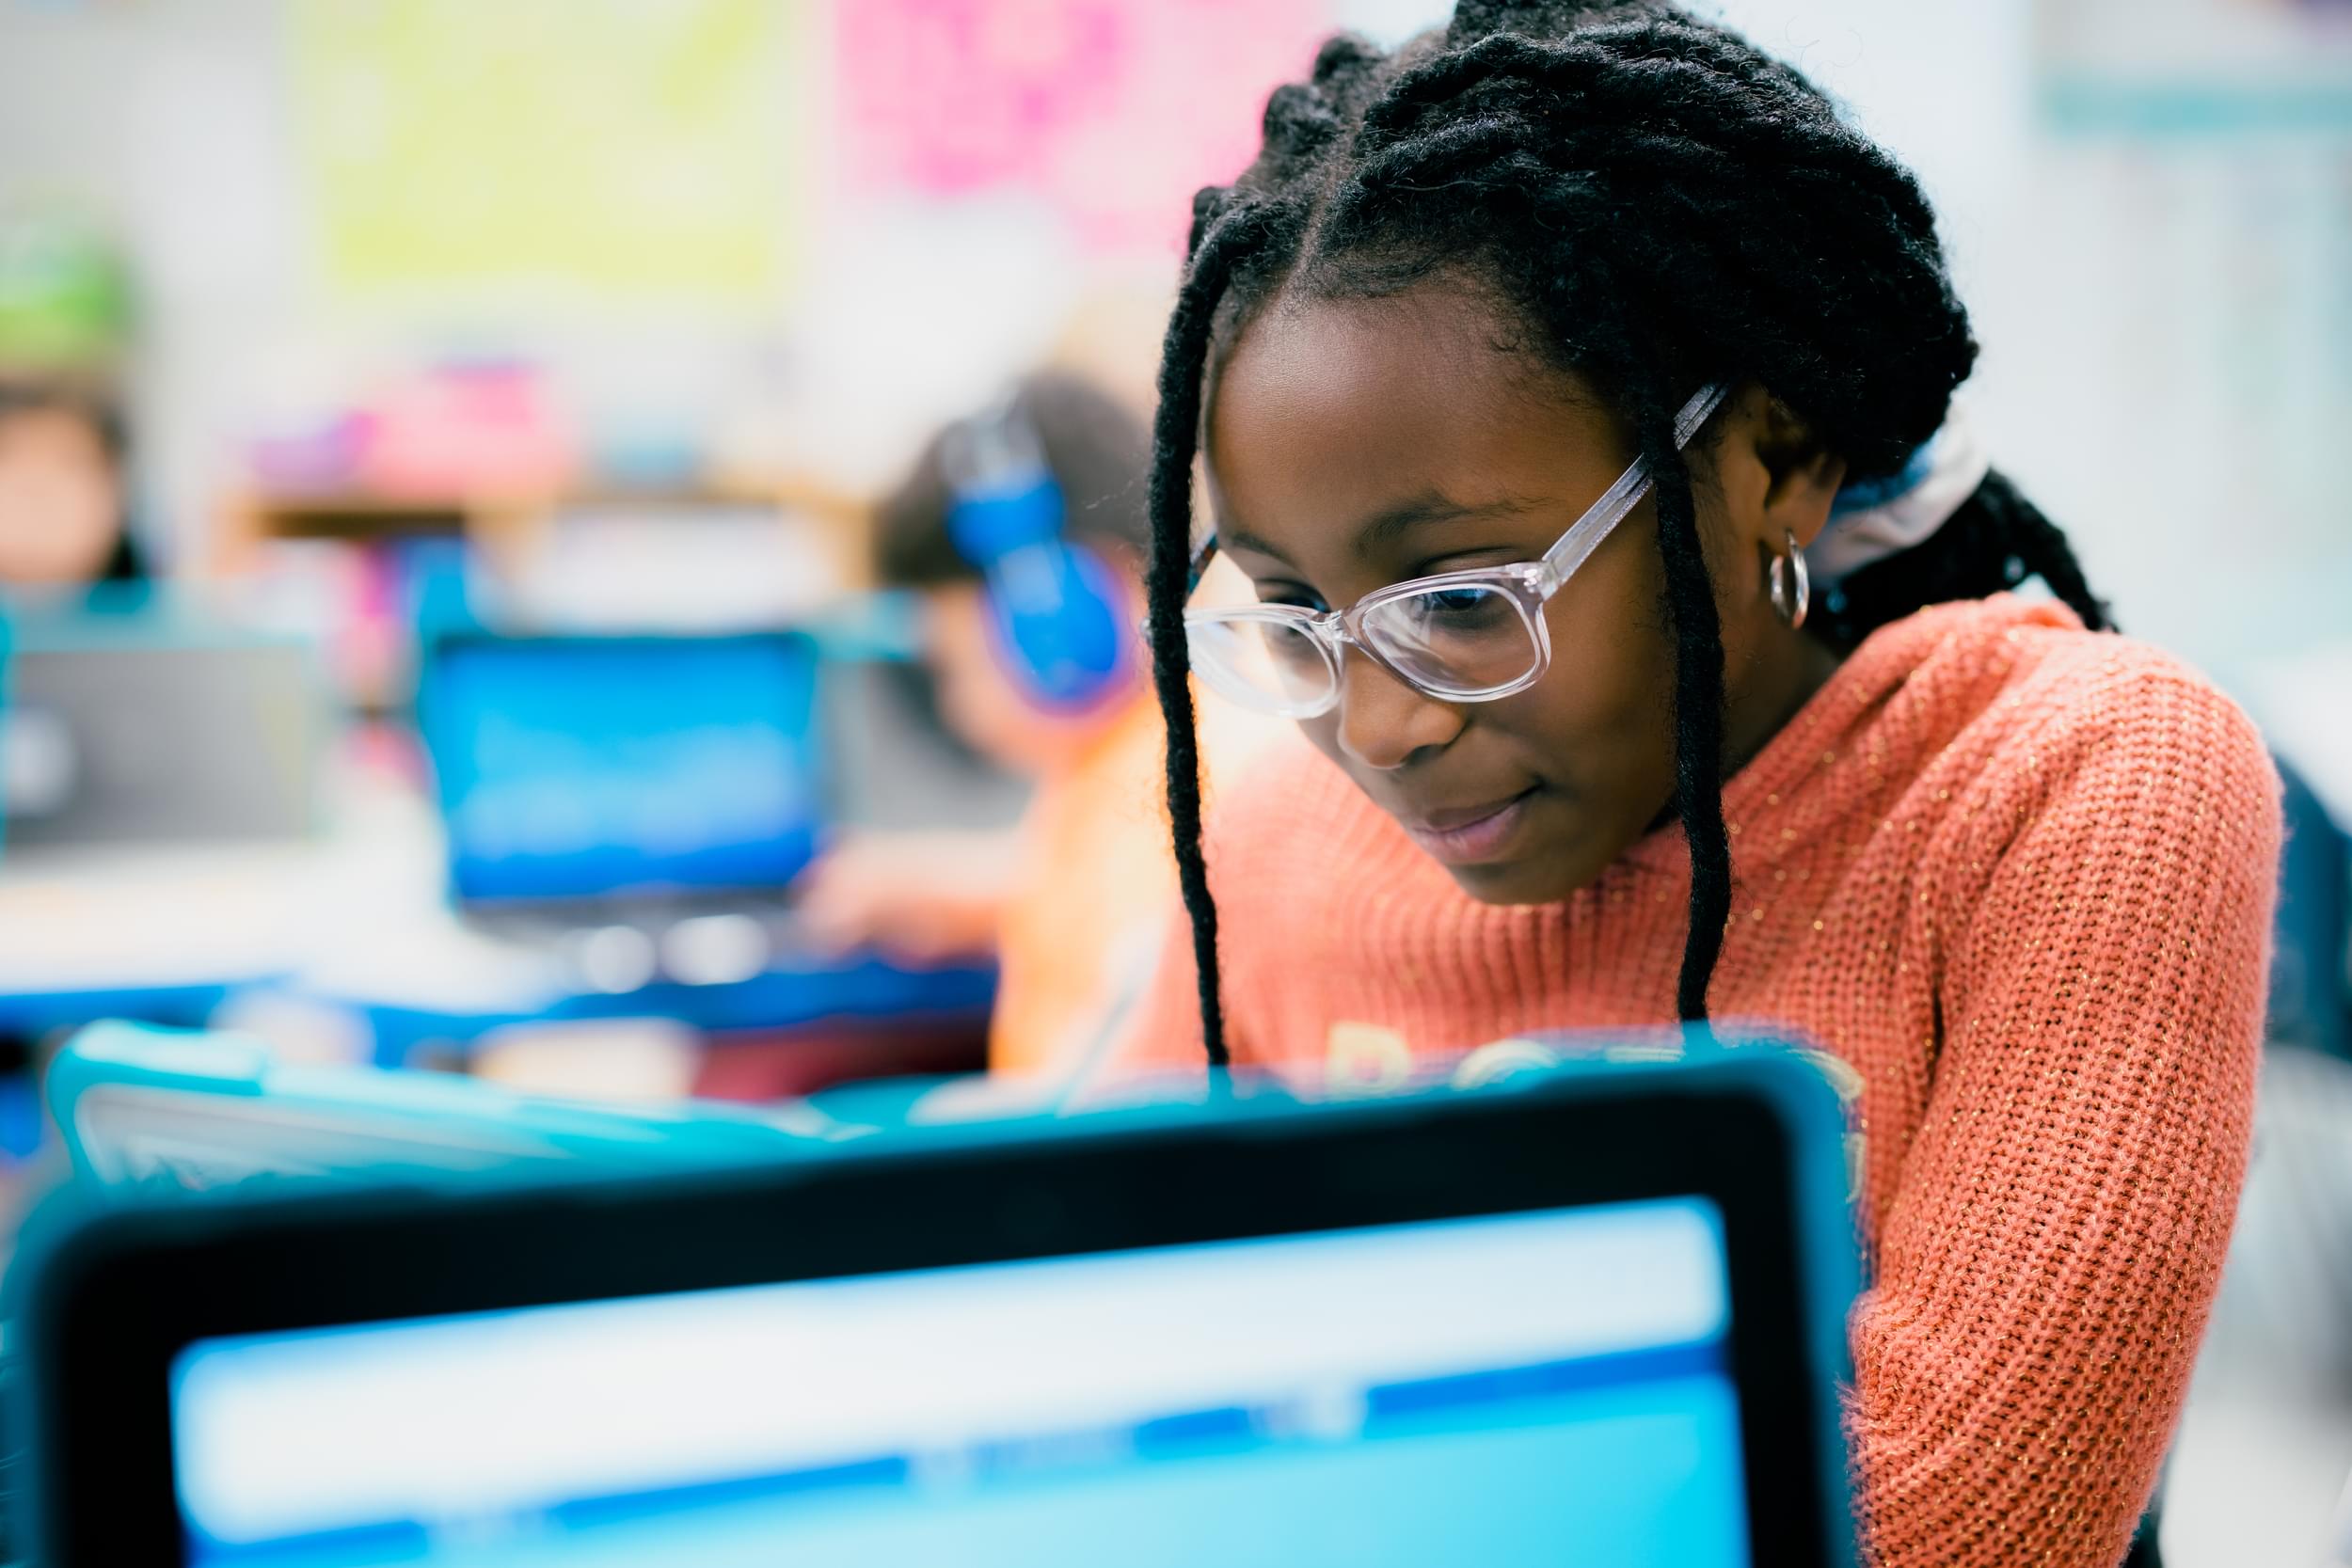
{"points": [[1526, 879]]}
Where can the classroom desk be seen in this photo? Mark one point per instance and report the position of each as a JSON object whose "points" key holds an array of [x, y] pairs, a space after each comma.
{"points": [[160, 934], [355, 927], [865, 997]]}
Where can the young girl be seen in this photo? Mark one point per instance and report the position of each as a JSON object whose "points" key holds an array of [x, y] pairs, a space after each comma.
{"points": [[1576, 387]]}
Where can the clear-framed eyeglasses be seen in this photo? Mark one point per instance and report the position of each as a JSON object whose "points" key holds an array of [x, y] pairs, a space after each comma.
{"points": [[1459, 636]]}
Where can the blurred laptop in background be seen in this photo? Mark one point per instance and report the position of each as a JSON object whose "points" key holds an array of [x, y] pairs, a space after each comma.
{"points": [[149, 727]]}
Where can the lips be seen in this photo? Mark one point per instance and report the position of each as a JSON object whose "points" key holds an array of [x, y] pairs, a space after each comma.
{"points": [[1468, 835]]}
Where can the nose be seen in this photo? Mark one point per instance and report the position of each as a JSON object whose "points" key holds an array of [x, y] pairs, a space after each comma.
{"points": [[1384, 723]]}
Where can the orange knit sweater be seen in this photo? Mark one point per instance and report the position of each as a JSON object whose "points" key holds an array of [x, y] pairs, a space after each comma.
{"points": [[2019, 877]]}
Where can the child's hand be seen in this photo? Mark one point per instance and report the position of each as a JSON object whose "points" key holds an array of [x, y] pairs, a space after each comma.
{"points": [[923, 897]]}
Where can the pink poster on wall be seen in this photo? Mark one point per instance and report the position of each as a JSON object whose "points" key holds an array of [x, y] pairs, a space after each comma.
{"points": [[1114, 111]]}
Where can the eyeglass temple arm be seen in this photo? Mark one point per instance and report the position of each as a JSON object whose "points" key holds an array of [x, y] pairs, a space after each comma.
{"points": [[1202, 554], [1580, 540], [1562, 558]]}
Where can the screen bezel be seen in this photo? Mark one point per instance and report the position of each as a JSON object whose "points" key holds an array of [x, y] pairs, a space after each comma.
{"points": [[434, 721], [137, 1289]]}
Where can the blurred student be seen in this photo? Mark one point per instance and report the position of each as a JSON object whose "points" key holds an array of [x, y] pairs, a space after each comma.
{"points": [[64, 494], [1023, 528]]}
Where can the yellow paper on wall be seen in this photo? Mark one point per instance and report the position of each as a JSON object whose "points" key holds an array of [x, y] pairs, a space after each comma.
{"points": [[571, 148]]}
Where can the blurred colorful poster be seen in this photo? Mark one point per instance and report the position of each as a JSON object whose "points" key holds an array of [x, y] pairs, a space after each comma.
{"points": [[605, 147], [1113, 111], [2196, 66]]}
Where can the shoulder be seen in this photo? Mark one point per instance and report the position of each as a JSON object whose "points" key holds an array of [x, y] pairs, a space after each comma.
{"points": [[2093, 752], [2023, 685], [2127, 714]]}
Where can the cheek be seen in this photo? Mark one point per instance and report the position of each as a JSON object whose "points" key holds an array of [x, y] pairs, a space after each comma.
{"points": [[1599, 728], [55, 520], [983, 704], [1324, 734], [974, 695], [1603, 715], [977, 699]]}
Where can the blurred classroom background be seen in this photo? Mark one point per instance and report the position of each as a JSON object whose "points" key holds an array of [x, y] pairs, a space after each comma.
{"points": [[512, 386]]}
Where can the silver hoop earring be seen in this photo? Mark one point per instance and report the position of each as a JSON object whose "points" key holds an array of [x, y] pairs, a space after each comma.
{"points": [[1792, 593]]}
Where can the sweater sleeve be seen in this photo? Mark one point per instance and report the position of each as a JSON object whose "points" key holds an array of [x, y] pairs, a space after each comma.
{"points": [[2054, 1239]]}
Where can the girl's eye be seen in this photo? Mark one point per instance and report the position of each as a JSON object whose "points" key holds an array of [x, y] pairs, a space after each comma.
{"points": [[1450, 612], [1462, 607], [1289, 596]]}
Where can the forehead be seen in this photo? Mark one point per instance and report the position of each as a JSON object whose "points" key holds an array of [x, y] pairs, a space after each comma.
{"points": [[49, 432], [1325, 413]]}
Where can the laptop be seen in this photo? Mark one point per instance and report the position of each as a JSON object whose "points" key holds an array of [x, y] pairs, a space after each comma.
{"points": [[652, 795], [575, 769], [642, 802], [143, 727], [1587, 1317]]}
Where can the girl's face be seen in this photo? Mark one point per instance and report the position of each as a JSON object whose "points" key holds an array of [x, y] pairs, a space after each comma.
{"points": [[60, 501], [1355, 444]]}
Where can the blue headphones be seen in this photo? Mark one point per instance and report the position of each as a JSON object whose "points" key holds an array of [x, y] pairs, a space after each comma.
{"points": [[1054, 604]]}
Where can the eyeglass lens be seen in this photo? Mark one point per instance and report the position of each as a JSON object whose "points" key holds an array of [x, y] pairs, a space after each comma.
{"points": [[1452, 642]]}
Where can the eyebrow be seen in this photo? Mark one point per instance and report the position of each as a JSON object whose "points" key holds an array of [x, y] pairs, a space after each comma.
{"points": [[1382, 528]]}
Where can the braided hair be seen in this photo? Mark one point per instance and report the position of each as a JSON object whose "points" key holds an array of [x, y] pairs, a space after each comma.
{"points": [[1661, 205]]}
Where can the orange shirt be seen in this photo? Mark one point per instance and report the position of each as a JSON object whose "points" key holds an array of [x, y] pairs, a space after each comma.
{"points": [[2019, 878], [1096, 890]]}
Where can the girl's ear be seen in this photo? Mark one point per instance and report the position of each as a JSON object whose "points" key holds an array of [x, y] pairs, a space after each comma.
{"points": [[1777, 477]]}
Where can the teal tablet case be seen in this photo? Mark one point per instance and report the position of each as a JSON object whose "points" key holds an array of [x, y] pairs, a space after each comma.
{"points": [[143, 1108]]}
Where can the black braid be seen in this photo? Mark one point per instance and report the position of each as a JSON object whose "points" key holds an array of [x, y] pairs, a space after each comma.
{"points": [[1699, 711], [1220, 236], [1663, 205]]}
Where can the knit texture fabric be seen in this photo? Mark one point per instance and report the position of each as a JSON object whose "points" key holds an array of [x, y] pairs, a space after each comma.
{"points": [[2018, 878]]}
